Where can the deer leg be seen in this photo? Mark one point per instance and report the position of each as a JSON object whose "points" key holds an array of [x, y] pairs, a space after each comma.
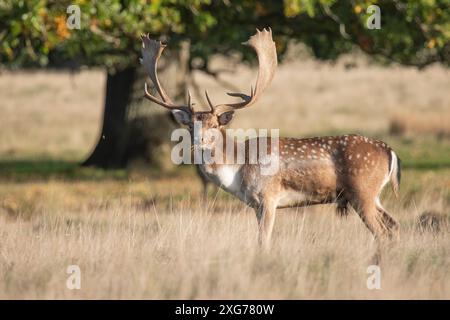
{"points": [[265, 214], [204, 181], [204, 190], [370, 216], [372, 219], [390, 224]]}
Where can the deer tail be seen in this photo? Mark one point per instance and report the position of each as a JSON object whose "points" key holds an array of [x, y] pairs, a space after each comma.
{"points": [[395, 172]]}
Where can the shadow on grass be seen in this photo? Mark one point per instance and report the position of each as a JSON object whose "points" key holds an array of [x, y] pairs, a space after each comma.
{"points": [[43, 169], [21, 170], [425, 165]]}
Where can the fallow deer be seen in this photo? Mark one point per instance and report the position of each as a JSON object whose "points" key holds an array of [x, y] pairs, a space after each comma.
{"points": [[349, 170]]}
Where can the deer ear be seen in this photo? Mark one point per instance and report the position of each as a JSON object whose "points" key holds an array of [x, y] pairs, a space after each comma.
{"points": [[181, 116], [226, 117]]}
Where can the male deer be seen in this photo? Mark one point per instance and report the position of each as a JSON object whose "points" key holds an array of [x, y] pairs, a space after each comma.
{"points": [[349, 170]]}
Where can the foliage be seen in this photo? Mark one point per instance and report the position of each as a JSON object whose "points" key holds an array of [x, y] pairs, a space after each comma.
{"points": [[34, 32]]}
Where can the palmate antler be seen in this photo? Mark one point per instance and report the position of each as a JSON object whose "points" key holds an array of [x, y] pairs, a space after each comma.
{"points": [[151, 52], [261, 42], [265, 48]]}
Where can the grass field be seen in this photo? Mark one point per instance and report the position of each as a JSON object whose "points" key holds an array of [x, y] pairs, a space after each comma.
{"points": [[141, 234]]}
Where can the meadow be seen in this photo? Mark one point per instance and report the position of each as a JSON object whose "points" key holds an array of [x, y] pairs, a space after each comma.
{"points": [[144, 234]]}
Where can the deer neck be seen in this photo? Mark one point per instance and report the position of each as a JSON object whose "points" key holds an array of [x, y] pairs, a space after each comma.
{"points": [[224, 170]]}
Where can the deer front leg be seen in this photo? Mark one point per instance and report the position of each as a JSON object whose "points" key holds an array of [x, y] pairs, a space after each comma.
{"points": [[265, 214]]}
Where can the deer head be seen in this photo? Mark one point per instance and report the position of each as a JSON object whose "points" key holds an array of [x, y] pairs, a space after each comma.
{"points": [[218, 116]]}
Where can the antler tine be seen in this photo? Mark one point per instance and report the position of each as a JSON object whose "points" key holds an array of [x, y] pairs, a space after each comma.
{"points": [[190, 105], [167, 105], [265, 49], [151, 52], [211, 106]]}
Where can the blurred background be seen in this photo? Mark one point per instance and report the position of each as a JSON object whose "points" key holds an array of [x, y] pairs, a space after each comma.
{"points": [[77, 139], [73, 92]]}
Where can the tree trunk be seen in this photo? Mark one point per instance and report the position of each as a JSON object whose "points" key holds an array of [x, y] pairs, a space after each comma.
{"points": [[109, 152], [133, 128]]}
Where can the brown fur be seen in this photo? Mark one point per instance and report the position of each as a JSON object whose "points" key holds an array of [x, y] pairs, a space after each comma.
{"points": [[349, 170]]}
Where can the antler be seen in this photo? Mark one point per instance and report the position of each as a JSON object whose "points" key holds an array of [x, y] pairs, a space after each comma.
{"points": [[266, 51], [151, 51]]}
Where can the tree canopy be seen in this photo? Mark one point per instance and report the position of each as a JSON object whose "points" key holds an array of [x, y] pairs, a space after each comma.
{"points": [[34, 33]]}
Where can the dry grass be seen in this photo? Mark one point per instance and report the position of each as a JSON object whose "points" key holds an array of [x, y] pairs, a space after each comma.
{"points": [[50, 113], [138, 237], [58, 114], [134, 241], [437, 124], [309, 97]]}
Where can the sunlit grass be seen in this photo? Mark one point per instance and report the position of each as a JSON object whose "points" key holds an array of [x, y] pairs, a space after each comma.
{"points": [[145, 238], [145, 233]]}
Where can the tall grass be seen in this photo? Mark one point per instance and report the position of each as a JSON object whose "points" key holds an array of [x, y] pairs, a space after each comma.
{"points": [[133, 242], [135, 235]]}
